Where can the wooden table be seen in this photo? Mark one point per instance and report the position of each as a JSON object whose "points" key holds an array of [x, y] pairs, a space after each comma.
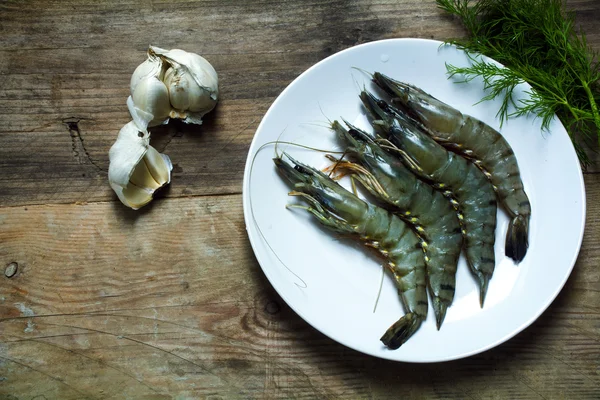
{"points": [[169, 301]]}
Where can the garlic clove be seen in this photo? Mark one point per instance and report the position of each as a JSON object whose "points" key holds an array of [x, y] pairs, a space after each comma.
{"points": [[136, 169], [159, 166], [142, 177], [149, 101], [191, 80], [151, 67], [180, 84], [135, 197]]}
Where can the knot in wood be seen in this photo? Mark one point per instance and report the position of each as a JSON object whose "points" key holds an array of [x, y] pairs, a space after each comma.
{"points": [[272, 307], [11, 269]]}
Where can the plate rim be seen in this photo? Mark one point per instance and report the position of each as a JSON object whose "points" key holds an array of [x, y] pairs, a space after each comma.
{"points": [[249, 216]]}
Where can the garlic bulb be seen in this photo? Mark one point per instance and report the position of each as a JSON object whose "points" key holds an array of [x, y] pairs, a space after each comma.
{"points": [[172, 84], [136, 169]]}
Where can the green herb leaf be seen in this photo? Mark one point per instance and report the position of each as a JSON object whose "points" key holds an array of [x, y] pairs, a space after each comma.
{"points": [[536, 40]]}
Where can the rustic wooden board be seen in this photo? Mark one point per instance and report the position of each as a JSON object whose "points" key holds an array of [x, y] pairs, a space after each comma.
{"points": [[169, 302], [65, 71]]}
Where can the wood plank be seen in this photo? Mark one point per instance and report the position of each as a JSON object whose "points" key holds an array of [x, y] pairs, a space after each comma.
{"points": [[65, 72], [170, 301], [68, 160]]}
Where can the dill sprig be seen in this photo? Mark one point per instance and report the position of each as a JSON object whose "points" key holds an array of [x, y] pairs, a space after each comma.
{"points": [[538, 42]]}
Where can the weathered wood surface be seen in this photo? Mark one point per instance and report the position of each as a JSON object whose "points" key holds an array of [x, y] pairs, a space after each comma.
{"points": [[169, 302]]}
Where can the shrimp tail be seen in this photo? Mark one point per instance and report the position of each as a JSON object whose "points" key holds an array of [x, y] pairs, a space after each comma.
{"points": [[484, 280], [401, 330], [516, 238], [439, 308]]}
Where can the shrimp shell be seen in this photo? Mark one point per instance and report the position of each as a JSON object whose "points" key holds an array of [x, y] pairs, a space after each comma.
{"points": [[477, 141], [429, 213], [472, 193], [342, 212]]}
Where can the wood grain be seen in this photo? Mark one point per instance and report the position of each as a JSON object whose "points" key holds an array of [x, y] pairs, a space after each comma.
{"points": [[172, 301], [65, 79], [169, 302]]}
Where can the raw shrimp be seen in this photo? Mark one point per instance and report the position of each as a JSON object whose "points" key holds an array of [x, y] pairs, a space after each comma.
{"points": [[417, 203], [344, 213], [475, 140], [472, 192]]}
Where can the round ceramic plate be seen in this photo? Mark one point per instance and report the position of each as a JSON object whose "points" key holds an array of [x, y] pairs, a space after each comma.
{"points": [[333, 283]]}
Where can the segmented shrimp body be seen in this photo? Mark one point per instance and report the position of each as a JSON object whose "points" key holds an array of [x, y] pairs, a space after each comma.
{"points": [[478, 141], [472, 193], [429, 213], [344, 213]]}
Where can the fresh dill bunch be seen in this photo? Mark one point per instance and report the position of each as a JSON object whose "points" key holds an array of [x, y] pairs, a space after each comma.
{"points": [[538, 42]]}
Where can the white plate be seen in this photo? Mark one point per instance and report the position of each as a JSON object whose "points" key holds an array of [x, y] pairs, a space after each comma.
{"points": [[341, 279]]}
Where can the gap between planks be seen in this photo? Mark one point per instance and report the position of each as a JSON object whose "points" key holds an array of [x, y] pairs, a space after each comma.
{"points": [[83, 203]]}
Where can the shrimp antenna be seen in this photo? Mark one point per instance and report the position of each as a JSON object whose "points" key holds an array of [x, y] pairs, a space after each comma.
{"points": [[337, 162], [316, 124], [364, 71], [380, 288], [302, 146], [303, 285], [364, 87], [323, 113], [277, 141]]}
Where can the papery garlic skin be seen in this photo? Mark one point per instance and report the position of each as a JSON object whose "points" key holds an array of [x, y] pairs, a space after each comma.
{"points": [[149, 101], [185, 83], [136, 169]]}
